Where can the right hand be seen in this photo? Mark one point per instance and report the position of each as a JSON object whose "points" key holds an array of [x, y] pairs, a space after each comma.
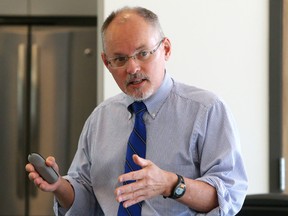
{"points": [[38, 180]]}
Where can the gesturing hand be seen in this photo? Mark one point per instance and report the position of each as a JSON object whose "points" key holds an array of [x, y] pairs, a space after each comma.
{"points": [[151, 181]]}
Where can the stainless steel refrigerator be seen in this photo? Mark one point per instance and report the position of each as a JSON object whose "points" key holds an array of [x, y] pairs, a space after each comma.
{"points": [[47, 90]]}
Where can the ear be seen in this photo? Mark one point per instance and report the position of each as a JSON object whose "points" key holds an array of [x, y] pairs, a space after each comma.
{"points": [[104, 59], [167, 48]]}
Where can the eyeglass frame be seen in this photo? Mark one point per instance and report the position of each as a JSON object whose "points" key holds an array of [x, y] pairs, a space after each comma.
{"points": [[127, 57]]}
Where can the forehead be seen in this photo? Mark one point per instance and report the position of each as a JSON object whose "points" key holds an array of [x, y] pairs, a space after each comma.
{"points": [[129, 32]]}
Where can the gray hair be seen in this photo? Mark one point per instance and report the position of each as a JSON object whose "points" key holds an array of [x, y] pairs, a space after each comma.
{"points": [[146, 14]]}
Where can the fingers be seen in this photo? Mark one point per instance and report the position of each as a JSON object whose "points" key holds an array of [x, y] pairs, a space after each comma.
{"points": [[129, 200], [140, 161], [148, 183], [40, 182], [33, 174], [50, 161], [37, 179], [130, 194], [130, 188], [136, 175], [29, 168]]}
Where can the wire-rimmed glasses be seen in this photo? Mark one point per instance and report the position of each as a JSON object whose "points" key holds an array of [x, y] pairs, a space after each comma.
{"points": [[141, 56]]}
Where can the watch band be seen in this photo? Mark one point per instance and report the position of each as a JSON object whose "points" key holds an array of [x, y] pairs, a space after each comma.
{"points": [[179, 189]]}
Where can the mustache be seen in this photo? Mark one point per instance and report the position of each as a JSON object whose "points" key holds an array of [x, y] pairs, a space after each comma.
{"points": [[136, 77]]}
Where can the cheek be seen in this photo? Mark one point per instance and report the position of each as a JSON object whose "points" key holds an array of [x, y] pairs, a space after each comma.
{"points": [[120, 79], [156, 74]]}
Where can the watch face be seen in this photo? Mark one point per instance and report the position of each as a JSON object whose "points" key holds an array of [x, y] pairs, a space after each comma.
{"points": [[180, 189]]}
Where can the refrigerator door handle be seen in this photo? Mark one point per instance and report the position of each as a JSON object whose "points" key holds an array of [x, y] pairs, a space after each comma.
{"points": [[34, 96], [34, 105], [21, 116]]}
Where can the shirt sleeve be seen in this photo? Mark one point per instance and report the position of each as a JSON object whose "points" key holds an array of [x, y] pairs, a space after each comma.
{"points": [[221, 161], [85, 202]]}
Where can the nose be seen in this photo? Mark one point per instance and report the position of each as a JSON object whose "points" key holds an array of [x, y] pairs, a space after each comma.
{"points": [[132, 65]]}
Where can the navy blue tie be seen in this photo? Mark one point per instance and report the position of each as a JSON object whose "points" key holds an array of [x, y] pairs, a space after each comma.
{"points": [[136, 145]]}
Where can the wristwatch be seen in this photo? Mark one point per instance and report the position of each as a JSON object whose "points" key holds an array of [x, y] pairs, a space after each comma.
{"points": [[179, 189]]}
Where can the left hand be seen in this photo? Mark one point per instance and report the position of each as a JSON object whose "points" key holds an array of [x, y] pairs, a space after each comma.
{"points": [[151, 181]]}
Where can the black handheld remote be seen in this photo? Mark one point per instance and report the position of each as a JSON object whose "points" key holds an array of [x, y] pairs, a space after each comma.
{"points": [[46, 172]]}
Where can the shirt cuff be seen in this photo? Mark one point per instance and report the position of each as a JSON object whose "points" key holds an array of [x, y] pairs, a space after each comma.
{"points": [[83, 204]]}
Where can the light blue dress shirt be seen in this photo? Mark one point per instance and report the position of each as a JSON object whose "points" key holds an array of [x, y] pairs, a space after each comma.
{"points": [[189, 131]]}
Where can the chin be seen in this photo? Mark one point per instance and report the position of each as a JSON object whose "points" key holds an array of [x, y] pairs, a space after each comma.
{"points": [[139, 95]]}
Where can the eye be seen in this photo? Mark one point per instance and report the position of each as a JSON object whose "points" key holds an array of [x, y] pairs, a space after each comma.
{"points": [[119, 59], [143, 54]]}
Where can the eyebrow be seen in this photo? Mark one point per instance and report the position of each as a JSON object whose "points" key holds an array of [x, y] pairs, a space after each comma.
{"points": [[142, 47]]}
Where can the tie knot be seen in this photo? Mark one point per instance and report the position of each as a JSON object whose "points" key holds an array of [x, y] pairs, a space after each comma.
{"points": [[138, 107]]}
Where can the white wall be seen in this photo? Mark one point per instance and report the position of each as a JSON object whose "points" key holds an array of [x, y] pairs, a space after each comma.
{"points": [[222, 46]]}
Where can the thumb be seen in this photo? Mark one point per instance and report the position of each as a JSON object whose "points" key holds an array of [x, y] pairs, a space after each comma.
{"points": [[140, 161], [51, 161]]}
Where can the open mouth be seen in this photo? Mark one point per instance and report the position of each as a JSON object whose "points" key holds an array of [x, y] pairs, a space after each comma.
{"points": [[136, 82]]}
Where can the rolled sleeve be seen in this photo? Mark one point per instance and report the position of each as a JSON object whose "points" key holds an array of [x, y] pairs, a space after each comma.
{"points": [[221, 165], [84, 202]]}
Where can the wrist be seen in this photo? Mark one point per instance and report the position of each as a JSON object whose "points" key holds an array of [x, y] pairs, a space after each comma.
{"points": [[64, 193], [171, 184], [179, 189]]}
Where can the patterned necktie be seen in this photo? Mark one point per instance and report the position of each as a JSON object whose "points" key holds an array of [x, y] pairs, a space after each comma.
{"points": [[136, 145]]}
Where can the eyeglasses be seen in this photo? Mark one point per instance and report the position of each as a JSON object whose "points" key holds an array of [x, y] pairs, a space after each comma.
{"points": [[142, 56]]}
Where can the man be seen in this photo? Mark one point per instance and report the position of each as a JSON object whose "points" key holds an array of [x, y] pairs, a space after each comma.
{"points": [[192, 164]]}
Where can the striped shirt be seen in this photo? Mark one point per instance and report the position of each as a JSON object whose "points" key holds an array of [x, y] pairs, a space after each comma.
{"points": [[190, 131]]}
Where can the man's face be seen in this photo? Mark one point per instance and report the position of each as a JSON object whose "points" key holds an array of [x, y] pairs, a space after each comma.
{"points": [[128, 35]]}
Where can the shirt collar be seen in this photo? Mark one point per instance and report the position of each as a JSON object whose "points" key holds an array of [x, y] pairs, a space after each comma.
{"points": [[154, 102]]}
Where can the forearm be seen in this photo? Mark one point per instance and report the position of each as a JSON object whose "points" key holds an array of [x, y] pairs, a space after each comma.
{"points": [[152, 181], [199, 195], [64, 194]]}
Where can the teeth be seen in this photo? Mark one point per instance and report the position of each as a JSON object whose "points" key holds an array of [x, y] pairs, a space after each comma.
{"points": [[136, 81]]}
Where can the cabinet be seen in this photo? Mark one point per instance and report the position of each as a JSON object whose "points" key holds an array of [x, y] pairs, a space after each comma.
{"points": [[48, 7]]}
